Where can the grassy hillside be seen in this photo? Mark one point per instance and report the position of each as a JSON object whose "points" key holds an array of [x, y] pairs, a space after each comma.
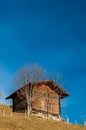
{"points": [[19, 122]]}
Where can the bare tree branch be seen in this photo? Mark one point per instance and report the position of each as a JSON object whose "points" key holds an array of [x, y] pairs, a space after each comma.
{"points": [[28, 76]]}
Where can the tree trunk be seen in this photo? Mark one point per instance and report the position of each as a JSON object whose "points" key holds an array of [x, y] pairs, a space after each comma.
{"points": [[29, 106], [28, 111]]}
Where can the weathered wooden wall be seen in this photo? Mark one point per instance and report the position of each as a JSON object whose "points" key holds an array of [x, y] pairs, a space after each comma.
{"points": [[44, 99], [48, 100]]}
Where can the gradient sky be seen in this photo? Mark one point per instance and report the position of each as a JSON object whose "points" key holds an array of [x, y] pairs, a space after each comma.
{"points": [[51, 33]]}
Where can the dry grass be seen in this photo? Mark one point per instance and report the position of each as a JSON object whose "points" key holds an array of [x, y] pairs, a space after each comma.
{"points": [[19, 122]]}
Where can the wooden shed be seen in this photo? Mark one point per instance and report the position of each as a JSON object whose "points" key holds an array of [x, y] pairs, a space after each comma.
{"points": [[49, 93]]}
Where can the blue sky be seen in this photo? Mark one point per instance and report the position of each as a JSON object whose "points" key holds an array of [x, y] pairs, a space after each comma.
{"points": [[51, 33]]}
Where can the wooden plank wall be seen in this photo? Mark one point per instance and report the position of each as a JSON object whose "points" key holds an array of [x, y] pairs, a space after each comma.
{"points": [[44, 99]]}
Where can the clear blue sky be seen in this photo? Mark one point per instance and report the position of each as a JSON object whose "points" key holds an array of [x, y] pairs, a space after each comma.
{"points": [[51, 33]]}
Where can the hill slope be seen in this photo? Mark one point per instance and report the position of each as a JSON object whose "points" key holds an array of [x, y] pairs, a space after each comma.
{"points": [[19, 122]]}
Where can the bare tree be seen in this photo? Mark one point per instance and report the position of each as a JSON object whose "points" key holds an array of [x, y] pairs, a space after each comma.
{"points": [[28, 76], [57, 77]]}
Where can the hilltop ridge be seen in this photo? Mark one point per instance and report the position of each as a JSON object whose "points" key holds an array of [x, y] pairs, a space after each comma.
{"points": [[17, 121]]}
